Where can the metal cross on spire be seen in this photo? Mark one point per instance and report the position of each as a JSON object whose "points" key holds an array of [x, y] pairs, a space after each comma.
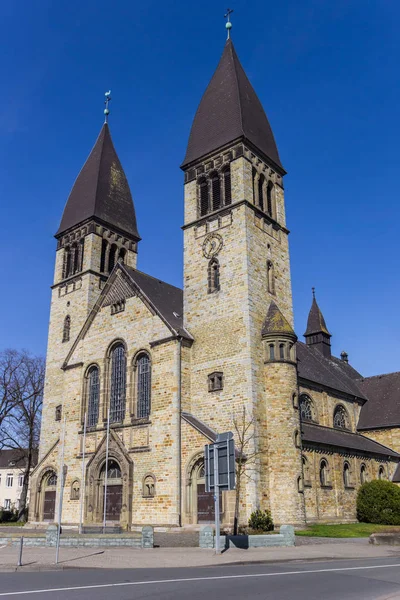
{"points": [[106, 102], [228, 25]]}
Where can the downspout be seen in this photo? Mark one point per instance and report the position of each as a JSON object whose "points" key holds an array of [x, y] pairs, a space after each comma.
{"points": [[179, 431]]}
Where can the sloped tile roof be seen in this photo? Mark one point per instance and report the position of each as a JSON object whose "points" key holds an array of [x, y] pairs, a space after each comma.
{"points": [[230, 110], [383, 406], [101, 191]]}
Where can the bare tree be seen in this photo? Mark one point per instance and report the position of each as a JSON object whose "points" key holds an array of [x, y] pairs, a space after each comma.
{"points": [[248, 449], [21, 429]]}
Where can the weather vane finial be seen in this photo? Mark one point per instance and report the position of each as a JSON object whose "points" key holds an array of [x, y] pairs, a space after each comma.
{"points": [[106, 101], [313, 292], [228, 25]]}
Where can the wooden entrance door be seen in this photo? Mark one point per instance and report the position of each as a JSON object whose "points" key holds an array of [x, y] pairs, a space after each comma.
{"points": [[114, 502], [205, 504], [49, 506]]}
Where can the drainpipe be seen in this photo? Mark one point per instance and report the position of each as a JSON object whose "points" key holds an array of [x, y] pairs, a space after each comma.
{"points": [[179, 431]]}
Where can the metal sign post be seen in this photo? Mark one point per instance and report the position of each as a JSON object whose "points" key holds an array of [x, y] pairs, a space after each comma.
{"points": [[219, 461]]}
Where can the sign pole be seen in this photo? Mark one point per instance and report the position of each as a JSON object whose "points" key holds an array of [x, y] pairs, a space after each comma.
{"points": [[60, 497], [106, 473], [82, 490], [216, 501]]}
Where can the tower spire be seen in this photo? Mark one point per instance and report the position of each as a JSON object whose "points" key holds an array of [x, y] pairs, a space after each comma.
{"points": [[106, 102], [228, 25]]}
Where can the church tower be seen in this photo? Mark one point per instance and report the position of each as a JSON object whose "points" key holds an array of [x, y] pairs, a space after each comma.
{"points": [[236, 266], [98, 228]]}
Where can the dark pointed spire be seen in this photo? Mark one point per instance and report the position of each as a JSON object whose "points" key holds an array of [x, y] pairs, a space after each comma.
{"points": [[228, 111], [276, 324], [317, 333], [101, 191]]}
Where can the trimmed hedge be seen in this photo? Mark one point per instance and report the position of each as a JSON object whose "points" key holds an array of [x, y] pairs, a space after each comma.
{"points": [[379, 502]]}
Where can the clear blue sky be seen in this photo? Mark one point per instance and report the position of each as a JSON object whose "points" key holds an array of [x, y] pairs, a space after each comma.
{"points": [[327, 74]]}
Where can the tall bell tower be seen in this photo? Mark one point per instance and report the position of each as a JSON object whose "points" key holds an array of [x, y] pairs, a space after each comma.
{"points": [[236, 263]]}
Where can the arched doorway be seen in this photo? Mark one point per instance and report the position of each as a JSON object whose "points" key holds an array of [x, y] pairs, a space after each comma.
{"points": [[49, 500], [114, 490]]}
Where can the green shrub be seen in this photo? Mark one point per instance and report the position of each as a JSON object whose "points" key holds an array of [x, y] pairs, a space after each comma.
{"points": [[379, 502], [261, 520]]}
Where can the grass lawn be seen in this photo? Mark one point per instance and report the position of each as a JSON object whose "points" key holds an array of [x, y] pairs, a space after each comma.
{"points": [[347, 530]]}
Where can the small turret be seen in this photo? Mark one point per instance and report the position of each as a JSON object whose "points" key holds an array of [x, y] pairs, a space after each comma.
{"points": [[317, 334]]}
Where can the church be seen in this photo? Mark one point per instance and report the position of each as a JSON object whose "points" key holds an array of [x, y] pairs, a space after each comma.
{"points": [[170, 368]]}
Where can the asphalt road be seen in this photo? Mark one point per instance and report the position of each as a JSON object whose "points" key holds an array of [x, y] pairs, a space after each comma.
{"points": [[340, 580]]}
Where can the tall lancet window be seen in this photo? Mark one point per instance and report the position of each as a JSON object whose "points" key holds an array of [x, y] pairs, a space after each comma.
{"points": [[203, 191], [143, 366], [227, 186], [213, 276], [93, 394], [216, 192], [118, 384], [66, 329]]}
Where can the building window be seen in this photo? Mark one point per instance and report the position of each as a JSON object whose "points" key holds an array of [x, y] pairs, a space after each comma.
{"points": [[66, 329], [215, 381], [216, 191], [227, 186], [75, 490], [143, 366], [118, 384], [307, 412], [346, 475], [20, 480], [58, 412], [9, 480], [381, 472], [271, 349], [7, 504], [270, 277], [149, 486], [213, 276], [363, 474], [323, 473], [341, 418], [93, 395], [203, 190]]}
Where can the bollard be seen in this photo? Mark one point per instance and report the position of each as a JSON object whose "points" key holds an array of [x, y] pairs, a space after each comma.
{"points": [[21, 545]]}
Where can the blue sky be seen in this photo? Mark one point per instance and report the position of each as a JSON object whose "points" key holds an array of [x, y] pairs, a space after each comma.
{"points": [[327, 74]]}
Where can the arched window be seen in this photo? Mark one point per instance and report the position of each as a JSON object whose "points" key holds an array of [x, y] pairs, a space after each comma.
{"points": [[66, 329], [213, 276], [323, 473], [261, 184], [227, 186], [381, 472], [270, 277], [203, 191], [149, 486], [216, 192], [307, 412], [112, 257], [363, 474], [271, 349], [118, 384], [346, 475], [121, 255], [341, 418], [143, 366], [93, 395], [270, 188], [282, 351], [104, 246]]}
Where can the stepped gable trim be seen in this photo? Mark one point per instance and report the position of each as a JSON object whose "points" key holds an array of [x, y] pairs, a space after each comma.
{"points": [[45, 457], [137, 291], [318, 435]]}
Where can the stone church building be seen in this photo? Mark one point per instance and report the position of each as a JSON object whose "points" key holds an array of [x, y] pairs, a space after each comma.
{"points": [[172, 368]]}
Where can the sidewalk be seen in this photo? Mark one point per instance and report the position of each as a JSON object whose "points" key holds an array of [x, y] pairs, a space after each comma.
{"points": [[37, 559]]}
